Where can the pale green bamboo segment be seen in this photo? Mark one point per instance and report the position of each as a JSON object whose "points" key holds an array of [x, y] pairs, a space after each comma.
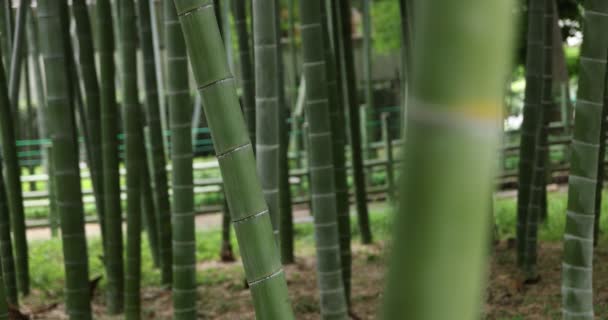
{"points": [[88, 72], [320, 155], [441, 229], [577, 290], [540, 149], [66, 162], [245, 61], [182, 206], [267, 86], [109, 147], [248, 209], [9, 282], [134, 149], [532, 105], [154, 144]]}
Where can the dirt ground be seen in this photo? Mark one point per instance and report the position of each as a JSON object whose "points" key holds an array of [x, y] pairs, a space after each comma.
{"points": [[508, 297], [222, 294], [224, 297]]}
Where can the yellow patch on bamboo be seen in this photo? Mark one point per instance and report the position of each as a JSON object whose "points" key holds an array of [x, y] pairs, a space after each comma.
{"points": [[482, 110]]}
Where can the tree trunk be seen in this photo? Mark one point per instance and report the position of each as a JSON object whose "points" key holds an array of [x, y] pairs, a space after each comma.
{"points": [[322, 173], [110, 116], [354, 125], [180, 113], [577, 290], [65, 156], [439, 247]]}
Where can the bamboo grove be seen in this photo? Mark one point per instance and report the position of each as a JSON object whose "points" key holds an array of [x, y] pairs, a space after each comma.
{"points": [[340, 159]]}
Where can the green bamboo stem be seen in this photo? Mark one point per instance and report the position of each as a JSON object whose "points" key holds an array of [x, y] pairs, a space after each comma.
{"points": [[354, 126], [6, 31], [133, 156], [267, 85], [149, 205], [247, 80], [14, 189], [405, 11], [322, 173], [17, 54], [577, 290], [158, 173], [286, 229], [180, 112], [532, 105], [88, 72], [157, 44], [113, 260], [226, 253], [293, 55], [538, 183], [438, 260], [249, 213], [65, 156], [339, 137], [149, 216], [9, 287], [388, 149], [367, 73], [4, 315]]}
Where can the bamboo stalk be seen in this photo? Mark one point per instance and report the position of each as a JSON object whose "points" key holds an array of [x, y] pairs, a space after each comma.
{"points": [[538, 183], [88, 72], [354, 126], [267, 106], [233, 148], [577, 277], [441, 227], [17, 53], [286, 233], [65, 156], [180, 112], [133, 157], [247, 80], [532, 105], [9, 281], [109, 146], [335, 71], [158, 173], [321, 163], [13, 188]]}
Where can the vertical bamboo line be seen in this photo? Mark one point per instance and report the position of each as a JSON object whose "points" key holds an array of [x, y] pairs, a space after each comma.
{"points": [[109, 147], [182, 211], [321, 162], [66, 162], [354, 124], [154, 142], [249, 213], [339, 135]]}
